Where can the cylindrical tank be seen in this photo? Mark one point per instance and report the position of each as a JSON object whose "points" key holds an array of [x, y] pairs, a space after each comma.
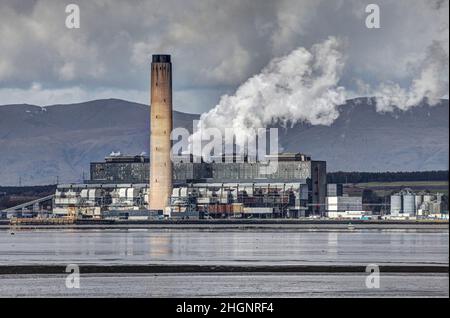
{"points": [[94, 193], [396, 204], [132, 193], [84, 193], [123, 193], [419, 199], [409, 204]]}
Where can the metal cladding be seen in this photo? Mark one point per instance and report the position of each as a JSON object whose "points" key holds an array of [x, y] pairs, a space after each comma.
{"points": [[161, 127]]}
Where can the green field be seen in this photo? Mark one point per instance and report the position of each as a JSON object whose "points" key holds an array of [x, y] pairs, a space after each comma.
{"points": [[443, 184]]}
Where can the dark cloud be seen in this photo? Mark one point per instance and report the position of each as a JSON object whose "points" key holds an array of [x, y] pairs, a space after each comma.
{"points": [[216, 45]]}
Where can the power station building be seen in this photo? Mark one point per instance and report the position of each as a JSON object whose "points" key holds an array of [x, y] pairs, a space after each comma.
{"points": [[184, 187], [298, 183]]}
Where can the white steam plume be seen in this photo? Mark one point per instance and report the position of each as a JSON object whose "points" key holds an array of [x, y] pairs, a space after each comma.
{"points": [[430, 83], [302, 86]]}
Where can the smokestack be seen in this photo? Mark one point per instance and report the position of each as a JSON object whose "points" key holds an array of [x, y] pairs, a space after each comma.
{"points": [[161, 127]]}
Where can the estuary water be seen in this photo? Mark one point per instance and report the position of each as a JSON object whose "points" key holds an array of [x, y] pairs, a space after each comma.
{"points": [[230, 247], [223, 247]]}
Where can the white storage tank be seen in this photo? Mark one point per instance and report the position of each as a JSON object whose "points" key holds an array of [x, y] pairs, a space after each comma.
{"points": [[123, 193], [396, 204], [84, 193], [175, 192], [409, 204], [132, 193], [419, 199]]}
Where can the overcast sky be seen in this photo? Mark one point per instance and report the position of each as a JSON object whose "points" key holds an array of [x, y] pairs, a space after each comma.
{"points": [[215, 45]]}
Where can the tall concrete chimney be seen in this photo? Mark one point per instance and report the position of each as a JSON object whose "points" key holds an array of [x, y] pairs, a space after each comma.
{"points": [[161, 127]]}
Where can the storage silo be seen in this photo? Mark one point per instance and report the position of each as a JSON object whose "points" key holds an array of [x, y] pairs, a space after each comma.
{"points": [[396, 204], [419, 199], [428, 198], [409, 204]]}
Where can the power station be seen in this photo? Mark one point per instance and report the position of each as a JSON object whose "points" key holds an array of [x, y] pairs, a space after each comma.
{"points": [[185, 186]]}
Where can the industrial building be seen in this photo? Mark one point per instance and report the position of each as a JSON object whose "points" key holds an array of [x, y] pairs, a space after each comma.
{"points": [[184, 186], [406, 203], [335, 189], [118, 168], [344, 203], [239, 200], [342, 206], [232, 186], [216, 189], [90, 200]]}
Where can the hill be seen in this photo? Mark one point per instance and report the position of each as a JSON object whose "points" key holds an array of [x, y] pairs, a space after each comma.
{"points": [[37, 144]]}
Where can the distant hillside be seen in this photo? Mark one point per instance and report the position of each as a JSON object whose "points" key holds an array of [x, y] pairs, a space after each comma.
{"points": [[363, 140], [38, 144]]}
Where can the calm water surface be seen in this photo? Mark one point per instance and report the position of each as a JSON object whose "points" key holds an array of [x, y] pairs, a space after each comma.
{"points": [[162, 246], [181, 246]]}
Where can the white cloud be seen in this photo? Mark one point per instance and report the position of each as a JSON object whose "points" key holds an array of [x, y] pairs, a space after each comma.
{"points": [[37, 95], [302, 86]]}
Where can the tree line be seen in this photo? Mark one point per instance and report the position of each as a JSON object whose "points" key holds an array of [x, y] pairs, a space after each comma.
{"points": [[362, 177]]}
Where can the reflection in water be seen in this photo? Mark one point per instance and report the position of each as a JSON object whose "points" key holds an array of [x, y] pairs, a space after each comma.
{"points": [[113, 246], [160, 246], [332, 243], [130, 244]]}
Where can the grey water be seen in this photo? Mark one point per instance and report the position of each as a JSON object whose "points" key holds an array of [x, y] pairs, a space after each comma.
{"points": [[225, 246], [262, 247]]}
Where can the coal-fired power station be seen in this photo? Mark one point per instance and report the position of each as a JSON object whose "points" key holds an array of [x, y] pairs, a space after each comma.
{"points": [[161, 127], [139, 187], [231, 186]]}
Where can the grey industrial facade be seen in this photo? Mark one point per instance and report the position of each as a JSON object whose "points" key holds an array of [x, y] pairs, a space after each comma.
{"points": [[291, 168]]}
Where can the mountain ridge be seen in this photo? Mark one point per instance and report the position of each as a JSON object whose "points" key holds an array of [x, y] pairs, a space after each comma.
{"points": [[40, 143]]}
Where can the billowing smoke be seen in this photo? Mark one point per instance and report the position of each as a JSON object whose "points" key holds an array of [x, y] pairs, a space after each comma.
{"points": [[302, 86], [430, 83]]}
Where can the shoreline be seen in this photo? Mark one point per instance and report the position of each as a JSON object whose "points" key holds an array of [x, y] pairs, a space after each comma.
{"points": [[238, 225]]}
